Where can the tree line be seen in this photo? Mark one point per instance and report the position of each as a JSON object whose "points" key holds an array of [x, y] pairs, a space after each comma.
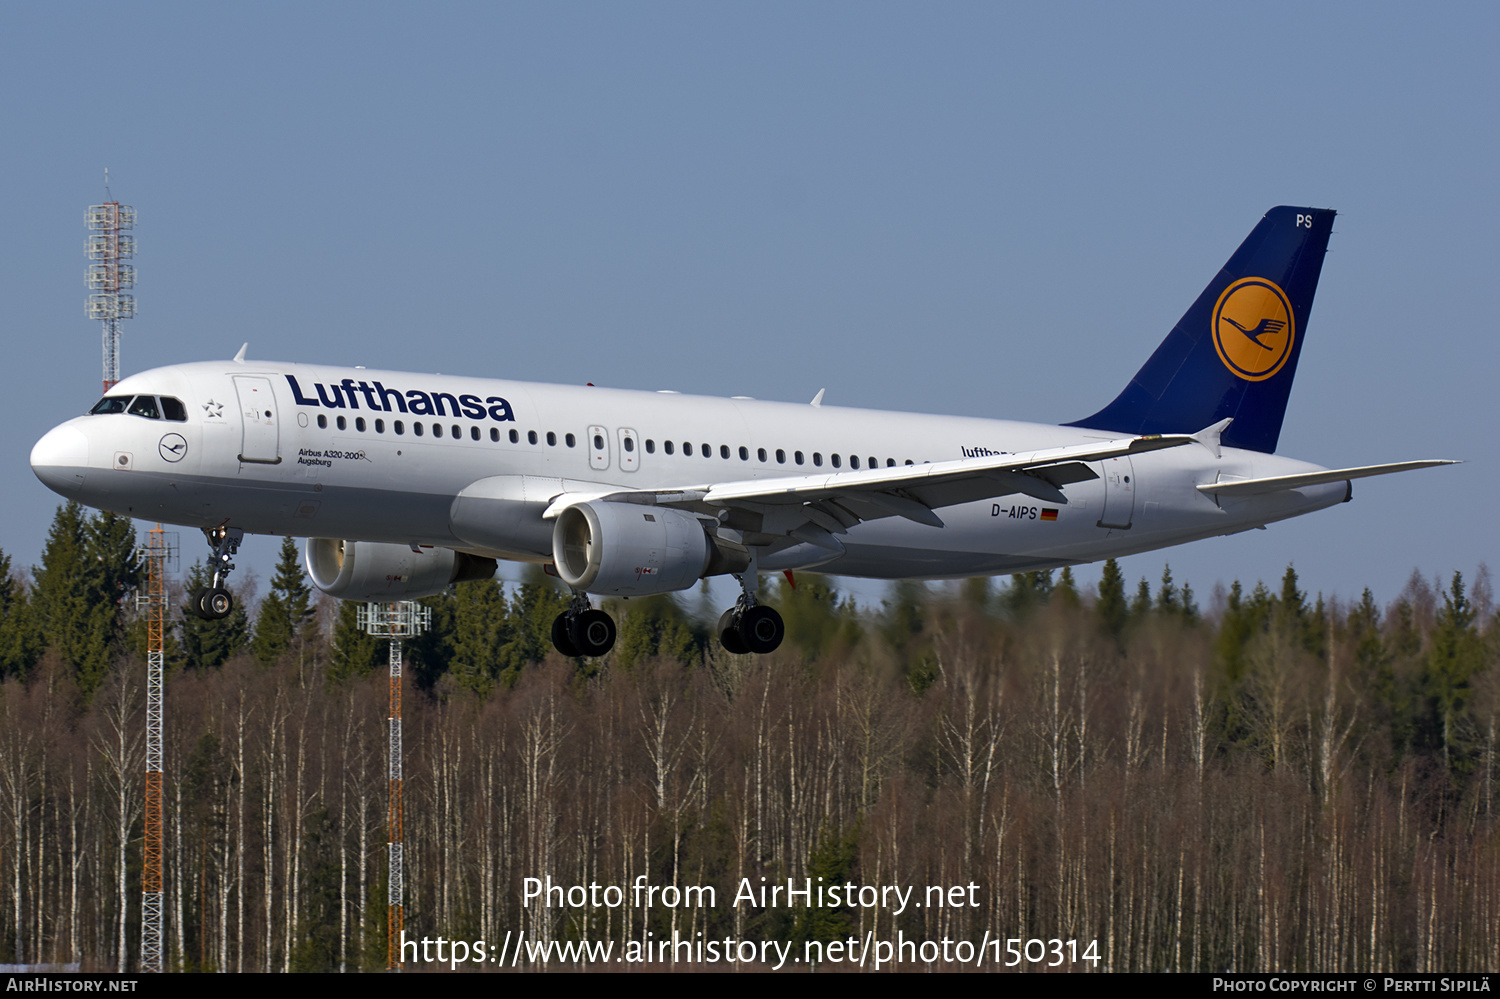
{"points": [[1272, 781]]}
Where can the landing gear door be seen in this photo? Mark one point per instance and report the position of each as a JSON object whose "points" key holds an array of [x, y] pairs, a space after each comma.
{"points": [[261, 440], [1119, 493]]}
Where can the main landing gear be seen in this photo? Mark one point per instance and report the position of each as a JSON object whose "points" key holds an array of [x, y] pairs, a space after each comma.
{"points": [[583, 631], [756, 628], [748, 626], [214, 602]]}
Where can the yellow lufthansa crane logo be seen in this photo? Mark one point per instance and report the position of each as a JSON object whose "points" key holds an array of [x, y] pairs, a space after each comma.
{"points": [[1254, 328]]}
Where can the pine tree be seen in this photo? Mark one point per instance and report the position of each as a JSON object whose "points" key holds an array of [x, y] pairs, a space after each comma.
{"points": [[61, 592], [1167, 602], [977, 593], [1111, 604], [533, 607], [656, 626], [816, 621], [481, 629], [1234, 633], [1065, 591], [89, 569], [21, 642], [902, 623], [833, 861], [1455, 655], [1189, 609], [286, 614], [1140, 606], [1027, 592], [317, 946], [355, 652]]}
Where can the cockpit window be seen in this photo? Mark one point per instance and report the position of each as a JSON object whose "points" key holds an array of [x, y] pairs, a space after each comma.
{"points": [[173, 409], [110, 404], [145, 405]]}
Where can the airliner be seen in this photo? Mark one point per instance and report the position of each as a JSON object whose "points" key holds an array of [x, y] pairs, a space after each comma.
{"points": [[405, 483]]}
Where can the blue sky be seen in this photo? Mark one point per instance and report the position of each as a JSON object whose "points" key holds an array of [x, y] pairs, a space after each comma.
{"points": [[985, 209]]}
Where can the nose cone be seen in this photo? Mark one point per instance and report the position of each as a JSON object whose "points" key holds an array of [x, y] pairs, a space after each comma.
{"points": [[60, 460]]}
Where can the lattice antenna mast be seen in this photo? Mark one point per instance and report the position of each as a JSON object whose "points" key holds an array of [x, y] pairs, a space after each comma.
{"points": [[160, 549], [108, 277], [396, 621]]}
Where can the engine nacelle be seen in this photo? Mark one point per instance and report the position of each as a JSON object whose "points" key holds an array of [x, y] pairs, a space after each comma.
{"points": [[366, 570], [629, 549]]}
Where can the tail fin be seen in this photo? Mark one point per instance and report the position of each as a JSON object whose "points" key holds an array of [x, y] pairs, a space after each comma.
{"points": [[1235, 350]]}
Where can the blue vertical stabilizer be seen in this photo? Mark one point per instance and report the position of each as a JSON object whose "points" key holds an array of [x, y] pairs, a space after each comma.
{"points": [[1234, 353]]}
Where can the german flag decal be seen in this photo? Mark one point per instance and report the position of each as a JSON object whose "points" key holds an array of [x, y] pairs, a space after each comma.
{"points": [[1049, 513]]}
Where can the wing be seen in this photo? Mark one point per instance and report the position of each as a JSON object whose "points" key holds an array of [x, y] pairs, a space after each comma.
{"points": [[814, 508]]}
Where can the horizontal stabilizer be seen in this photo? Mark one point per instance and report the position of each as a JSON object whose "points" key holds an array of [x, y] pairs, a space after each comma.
{"points": [[1279, 483]]}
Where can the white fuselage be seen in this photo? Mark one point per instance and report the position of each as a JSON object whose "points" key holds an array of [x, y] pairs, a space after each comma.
{"points": [[296, 450]]}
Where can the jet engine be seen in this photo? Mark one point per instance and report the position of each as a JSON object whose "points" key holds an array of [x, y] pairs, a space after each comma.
{"points": [[628, 549], [366, 570]]}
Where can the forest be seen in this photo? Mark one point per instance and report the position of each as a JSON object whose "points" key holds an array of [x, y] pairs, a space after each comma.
{"points": [[1257, 779]]}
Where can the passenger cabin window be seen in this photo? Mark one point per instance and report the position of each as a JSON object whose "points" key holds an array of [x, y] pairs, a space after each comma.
{"points": [[343, 424], [515, 437], [399, 427], [145, 405], [570, 440], [650, 446], [835, 459], [666, 446], [416, 428], [495, 434], [322, 422], [531, 436], [437, 429], [552, 440], [359, 424], [380, 426]]}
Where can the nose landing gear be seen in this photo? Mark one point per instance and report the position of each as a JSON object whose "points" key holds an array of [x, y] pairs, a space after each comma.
{"points": [[214, 602]]}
